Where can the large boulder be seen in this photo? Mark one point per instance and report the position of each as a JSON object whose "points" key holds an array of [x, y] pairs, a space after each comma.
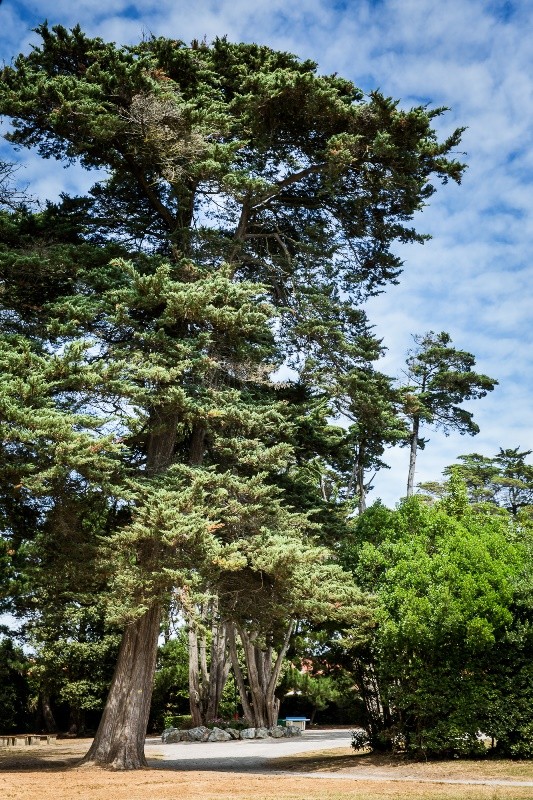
{"points": [[199, 734], [261, 733], [248, 733], [292, 730], [234, 733], [277, 731], [171, 736], [218, 735]]}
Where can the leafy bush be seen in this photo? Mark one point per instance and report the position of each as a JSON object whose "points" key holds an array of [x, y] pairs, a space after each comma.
{"points": [[360, 740], [449, 652], [181, 721], [170, 697]]}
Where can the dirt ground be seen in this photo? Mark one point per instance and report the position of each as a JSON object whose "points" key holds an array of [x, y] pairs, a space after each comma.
{"points": [[49, 773]]}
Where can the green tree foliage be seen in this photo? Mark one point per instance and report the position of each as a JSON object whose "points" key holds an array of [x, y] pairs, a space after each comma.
{"points": [[14, 687], [447, 579], [319, 691], [503, 481], [170, 698], [515, 480], [439, 379], [56, 464], [249, 207], [74, 653], [374, 410]]}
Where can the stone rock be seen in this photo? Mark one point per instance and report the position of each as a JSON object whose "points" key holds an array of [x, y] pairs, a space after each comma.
{"points": [[199, 734], [248, 733], [171, 736], [218, 735], [292, 730], [277, 732], [234, 733], [261, 733]]}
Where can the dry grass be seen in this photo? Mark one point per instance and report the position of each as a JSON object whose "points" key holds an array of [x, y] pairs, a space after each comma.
{"points": [[46, 773]]}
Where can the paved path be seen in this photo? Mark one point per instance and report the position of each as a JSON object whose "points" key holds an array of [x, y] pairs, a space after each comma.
{"points": [[243, 755], [253, 755], [377, 778]]}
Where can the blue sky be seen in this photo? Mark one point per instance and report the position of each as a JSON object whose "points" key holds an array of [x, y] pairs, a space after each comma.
{"points": [[473, 278]]}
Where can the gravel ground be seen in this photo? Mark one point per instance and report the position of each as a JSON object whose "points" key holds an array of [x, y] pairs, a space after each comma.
{"points": [[253, 756], [243, 755]]}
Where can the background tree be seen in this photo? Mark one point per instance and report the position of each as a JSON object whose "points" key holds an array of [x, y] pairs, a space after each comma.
{"points": [[439, 379], [209, 660], [515, 479], [15, 690], [275, 577], [316, 681], [319, 691], [374, 409], [503, 481], [170, 698]]}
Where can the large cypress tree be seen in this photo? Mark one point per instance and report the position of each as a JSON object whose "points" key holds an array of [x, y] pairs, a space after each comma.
{"points": [[236, 176]]}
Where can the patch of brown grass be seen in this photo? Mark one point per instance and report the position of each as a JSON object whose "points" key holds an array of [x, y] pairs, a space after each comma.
{"points": [[62, 754], [95, 784], [46, 773]]}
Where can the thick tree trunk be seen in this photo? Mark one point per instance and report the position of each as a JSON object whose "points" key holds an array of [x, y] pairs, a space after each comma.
{"points": [[119, 742], [207, 681], [195, 700], [413, 439], [197, 446], [263, 668], [239, 677], [48, 716], [219, 668], [162, 439], [360, 481]]}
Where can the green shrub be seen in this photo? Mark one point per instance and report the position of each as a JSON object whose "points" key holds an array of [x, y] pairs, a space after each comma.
{"points": [[181, 721], [450, 650]]}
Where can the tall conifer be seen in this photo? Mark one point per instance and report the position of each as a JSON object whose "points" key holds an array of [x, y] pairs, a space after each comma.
{"points": [[252, 205]]}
